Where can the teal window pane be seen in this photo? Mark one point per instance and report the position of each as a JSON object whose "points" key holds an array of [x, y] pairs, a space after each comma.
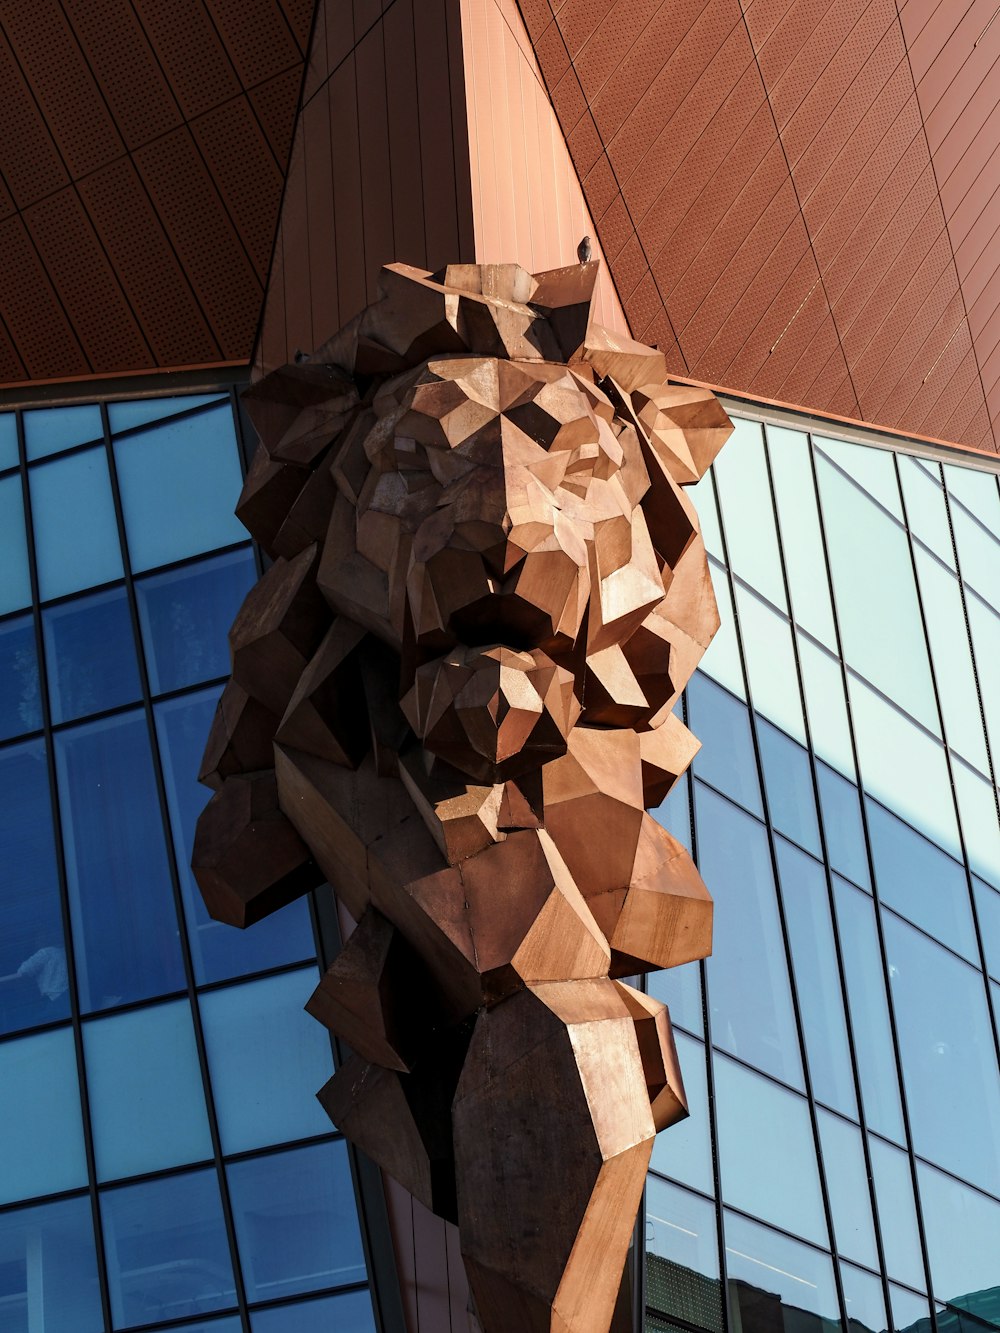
{"points": [[139, 411], [686, 1152], [897, 1213], [722, 660], [726, 758], [962, 1226], [167, 1251], [296, 1222], [15, 581], [747, 513], [20, 701], [978, 553], [268, 1060], [826, 706], [985, 626], [847, 1186], [349, 1313], [41, 1131], [798, 516], [988, 910], [8, 440], [977, 491], [871, 468], [90, 654], [864, 1298], [76, 538], [50, 430], [703, 496], [682, 1256], [748, 991], [926, 511], [48, 1269], [948, 1056], [143, 1074], [180, 482], [774, 1279], [767, 1155], [774, 680]]}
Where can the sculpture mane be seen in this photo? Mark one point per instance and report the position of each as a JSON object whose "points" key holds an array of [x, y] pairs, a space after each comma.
{"points": [[451, 698]]}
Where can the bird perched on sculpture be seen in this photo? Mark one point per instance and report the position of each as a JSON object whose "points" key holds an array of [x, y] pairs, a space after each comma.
{"points": [[583, 250]]}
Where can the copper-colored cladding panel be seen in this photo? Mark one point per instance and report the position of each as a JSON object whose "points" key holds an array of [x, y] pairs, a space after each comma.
{"points": [[796, 201], [488, 591], [142, 151]]}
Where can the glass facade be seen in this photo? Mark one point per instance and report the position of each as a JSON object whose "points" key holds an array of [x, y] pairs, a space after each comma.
{"points": [[841, 1167], [163, 1161]]}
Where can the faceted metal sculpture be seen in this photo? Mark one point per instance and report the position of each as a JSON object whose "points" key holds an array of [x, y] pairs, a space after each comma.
{"points": [[451, 698]]}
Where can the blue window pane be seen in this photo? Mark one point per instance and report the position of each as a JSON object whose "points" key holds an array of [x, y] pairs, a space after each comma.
{"points": [[726, 758], [847, 1186], [817, 977], [227, 1324], [788, 780], [8, 440], [748, 990], [124, 921], [219, 952], [49, 430], [142, 1070], [168, 1256], [675, 812], [686, 1153], [76, 537], [350, 1313], [920, 881], [948, 1056], [680, 990], [41, 1131], [864, 1298], [773, 1278], [139, 411], [962, 1226], [48, 1270], [988, 911], [296, 1222], [978, 808], [682, 1255], [909, 1311], [90, 653], [845, 835], [33, 981], [767, 1155], [896, 1212], [268, 1060], [179, 483], [869, 1010], [15, 581], [20, 702], [185, 614]]}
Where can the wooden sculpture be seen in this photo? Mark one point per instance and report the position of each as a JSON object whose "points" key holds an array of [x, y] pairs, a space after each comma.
{"points": [[451, 699]]}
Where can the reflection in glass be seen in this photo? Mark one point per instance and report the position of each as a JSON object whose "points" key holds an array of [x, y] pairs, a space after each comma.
{"points": [[788, 780], [168, 1256], [747, 513], [798, 517], [49, 430], [845, 835], [847, 1186], [219, 952], [864, 1298], [948, 1056], [142, 1069], [20, 702], [909, 1311], [268, 1060], [34, 985], [15, 581], [179, 483], [896, 1212], [41, 1132], [773, 1280], [682, 1255], [90, 655], [726, 757], [817, 978], [184, 615], [124, 922], [686, 1152], [349, 1313], [296, 1222], [961, 1226], [48, 1269], [76, 535]]}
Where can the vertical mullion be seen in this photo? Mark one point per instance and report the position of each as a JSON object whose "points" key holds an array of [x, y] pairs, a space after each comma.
{"points": [[227, 1209], [60, 856]]}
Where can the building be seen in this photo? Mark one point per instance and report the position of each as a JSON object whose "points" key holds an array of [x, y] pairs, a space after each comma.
{"points": [[797, 202]]}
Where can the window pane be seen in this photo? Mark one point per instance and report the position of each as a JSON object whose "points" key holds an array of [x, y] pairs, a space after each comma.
{"points": [[138, 411], [977, 491], [703, 497], [185, 614], [124, 921], [726, 758], [49, 430], [680, 990], [847, 1186], [909, 1311], [977, 803], [41, 1132], [767, 1155], [896, 1212], [826, 706], [20, 702], [686, 1152], [962, 1226], [817, 978], [682, 1255], [350, 1313], [988, 911], [33, 980], [296, 1222], [219, 952], [268, 1060], [227, 1324], [869, 467], [985, 626], [772, 1279], [179, 484], [674, 814], [90, 654], [48, 1270], [845, 834], [864, 1298], [722, 660], [142, 1070], [805, 563], [15, 582], [774, 681], [949, 1059], [925, 508], [747, 513], [788, 778], [167, 1250], [76, 538], [978, 553], [8, 439], [748, 987]]}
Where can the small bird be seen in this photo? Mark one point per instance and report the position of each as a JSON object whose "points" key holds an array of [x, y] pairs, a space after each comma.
{"points": [[584, 250]]}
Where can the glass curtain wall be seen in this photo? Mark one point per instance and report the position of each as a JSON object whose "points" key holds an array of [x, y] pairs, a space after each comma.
{"points": [[163, 1161], [841, 1166]]}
